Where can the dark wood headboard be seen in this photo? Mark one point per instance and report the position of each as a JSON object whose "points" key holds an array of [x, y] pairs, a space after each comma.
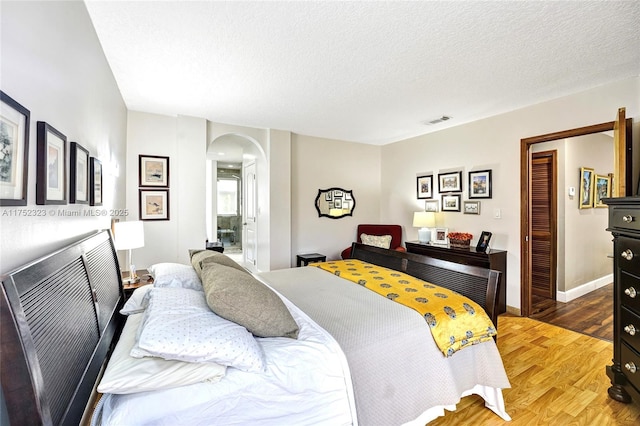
{"points": [[58, 319], [476, 283]]}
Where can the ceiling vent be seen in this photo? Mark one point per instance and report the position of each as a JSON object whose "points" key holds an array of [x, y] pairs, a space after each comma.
{"points": [[436, 121]]}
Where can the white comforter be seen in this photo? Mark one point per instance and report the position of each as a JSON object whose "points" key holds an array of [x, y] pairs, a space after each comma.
{"points": [[307, 382]]}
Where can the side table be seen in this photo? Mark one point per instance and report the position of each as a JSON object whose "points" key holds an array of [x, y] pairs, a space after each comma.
{"points": [[305, 259], [145, 279]]}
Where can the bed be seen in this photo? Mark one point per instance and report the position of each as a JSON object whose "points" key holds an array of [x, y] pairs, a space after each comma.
{"points": [[348, 364]]}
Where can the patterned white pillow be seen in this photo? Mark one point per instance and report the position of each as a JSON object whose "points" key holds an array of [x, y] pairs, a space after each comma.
{"points": [[382, 241], [138, 301], [178, 325], [175, 275]]}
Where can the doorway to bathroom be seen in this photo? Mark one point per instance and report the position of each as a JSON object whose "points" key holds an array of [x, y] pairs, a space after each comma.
{"points": [[229, 208]]}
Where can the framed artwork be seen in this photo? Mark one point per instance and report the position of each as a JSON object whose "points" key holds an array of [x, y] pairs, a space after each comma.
{"points": [[154, 171], [79, 174], [451, 202], [483, 242], [154, 204], [602, 190], [95, 184], [14, 151], [51, 176], [586, 187], [472, 207], [337, 203], [328, 196], [425, 187], [450, 182], [431, 206], [440, 235], [337, 193], [480, 184]]}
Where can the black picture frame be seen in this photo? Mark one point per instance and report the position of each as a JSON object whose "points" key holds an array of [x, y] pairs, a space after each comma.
{"points": [[450, 182], [14, 142], [483, 241], [79, 174], [480, 184], [451, 202], [51, 162], [424, 187], [153, 171], [154, 204], [95, 184]]}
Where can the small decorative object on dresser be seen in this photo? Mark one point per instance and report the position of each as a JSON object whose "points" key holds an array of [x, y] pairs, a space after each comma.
{"points": [[483, 241], [460, 239], [624, 224]]}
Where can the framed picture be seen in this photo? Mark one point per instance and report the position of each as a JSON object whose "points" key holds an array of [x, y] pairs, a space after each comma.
{"points": [[154, 170], [14, 147], [95, 182], [586, 187], [337, 203], [328, 196], [440, 235], [602, 190], [154, 204], [451, 202], [51, 176], [431, 206], [450, 182], [472, 207], [483, 241], [79, 175], [337, 193], [425, 187], [480, 184]]}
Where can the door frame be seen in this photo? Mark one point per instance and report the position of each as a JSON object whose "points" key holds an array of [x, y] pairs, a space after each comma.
{"points": [[622, 161]]}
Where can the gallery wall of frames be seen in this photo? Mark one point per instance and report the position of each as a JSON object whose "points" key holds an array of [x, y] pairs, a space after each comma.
{"points": [[80, 184]]}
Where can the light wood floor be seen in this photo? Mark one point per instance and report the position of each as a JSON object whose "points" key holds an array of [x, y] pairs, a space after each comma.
{"points": [[557, 378]]}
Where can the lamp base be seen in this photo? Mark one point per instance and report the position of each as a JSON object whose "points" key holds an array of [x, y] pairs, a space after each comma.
{"points": [[424, 235]]}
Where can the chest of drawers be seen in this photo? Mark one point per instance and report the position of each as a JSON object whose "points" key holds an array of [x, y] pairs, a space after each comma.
{"points": [[624, 225]]}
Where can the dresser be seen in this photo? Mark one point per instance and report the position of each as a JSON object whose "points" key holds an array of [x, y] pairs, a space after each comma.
{"points": [[624, 224], [492, 259]]}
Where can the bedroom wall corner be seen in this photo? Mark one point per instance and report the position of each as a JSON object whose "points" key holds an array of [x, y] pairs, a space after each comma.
{"points": [[319, 163]]}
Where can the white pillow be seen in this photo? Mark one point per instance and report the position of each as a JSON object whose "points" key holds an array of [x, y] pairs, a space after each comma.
{"points": [[382, 241], [125, 374], [179, 325], [175, 275], [138, 301]]}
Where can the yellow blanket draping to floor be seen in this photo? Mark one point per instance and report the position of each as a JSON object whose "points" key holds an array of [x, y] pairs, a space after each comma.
{"points": [[455, 321]]}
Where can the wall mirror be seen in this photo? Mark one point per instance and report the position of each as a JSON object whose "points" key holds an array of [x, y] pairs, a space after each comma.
{"points": [[335, 203]]}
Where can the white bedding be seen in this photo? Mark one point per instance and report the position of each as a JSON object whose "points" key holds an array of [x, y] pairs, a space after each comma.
{"points": [[307, 382]]}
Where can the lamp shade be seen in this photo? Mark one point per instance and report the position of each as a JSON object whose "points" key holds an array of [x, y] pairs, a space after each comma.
{"points": [[424, 219], [128, 235], [335, 212]]}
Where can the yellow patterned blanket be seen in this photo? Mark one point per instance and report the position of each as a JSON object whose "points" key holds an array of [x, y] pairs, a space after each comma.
{"points": [[455, 321]]}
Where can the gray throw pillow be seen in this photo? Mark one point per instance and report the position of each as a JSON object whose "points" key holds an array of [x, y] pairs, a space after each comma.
{"points": [[237, 296], [222, 259], [198, 256]]}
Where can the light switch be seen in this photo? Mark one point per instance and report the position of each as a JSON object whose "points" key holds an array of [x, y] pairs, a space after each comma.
{"points": [[572, 191], [497, 213]]}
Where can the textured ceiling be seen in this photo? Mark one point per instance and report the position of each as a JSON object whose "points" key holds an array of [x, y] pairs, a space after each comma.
{"points": [[369, 72]]}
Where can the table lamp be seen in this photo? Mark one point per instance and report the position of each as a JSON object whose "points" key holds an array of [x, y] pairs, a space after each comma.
{"points": [[424, 221], [335, 212], [129, 235]]}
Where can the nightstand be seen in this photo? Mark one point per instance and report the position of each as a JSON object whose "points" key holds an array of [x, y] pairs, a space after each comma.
{"points": [[305, 259], [145, 279]]}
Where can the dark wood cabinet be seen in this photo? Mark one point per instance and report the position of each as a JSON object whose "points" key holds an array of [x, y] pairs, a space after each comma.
{"points": [[624, 225], [492, 259]]}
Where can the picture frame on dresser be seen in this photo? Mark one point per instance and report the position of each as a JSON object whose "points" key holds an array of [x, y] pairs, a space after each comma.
{"points": [[14, 141], [79, 174], [51, 174]]}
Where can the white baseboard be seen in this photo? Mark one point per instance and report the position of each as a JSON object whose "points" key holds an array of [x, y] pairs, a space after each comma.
{"points": [[574, 293]]}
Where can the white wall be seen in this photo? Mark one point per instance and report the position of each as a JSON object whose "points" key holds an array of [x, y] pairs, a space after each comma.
{"points": [[494, 143], [53, 65], [321, 164], [60, 74], [183, 140]]}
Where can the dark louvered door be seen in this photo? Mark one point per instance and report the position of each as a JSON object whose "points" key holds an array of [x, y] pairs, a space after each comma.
{"points": [[543, 224]]}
